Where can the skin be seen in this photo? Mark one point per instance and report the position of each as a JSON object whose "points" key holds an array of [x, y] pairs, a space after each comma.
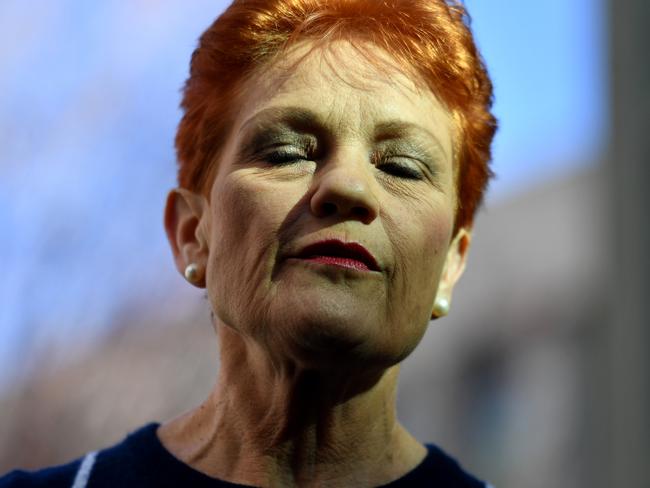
{"points": [[310, 353]]}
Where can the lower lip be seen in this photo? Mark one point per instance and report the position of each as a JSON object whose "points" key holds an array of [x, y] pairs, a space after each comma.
{"points": [[341, 262]]}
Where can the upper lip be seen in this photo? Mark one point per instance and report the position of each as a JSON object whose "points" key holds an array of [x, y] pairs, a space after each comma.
{"points": [[338, 248]]}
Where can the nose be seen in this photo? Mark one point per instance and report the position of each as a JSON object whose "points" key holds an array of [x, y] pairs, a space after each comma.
{"points": [[345, 190]]}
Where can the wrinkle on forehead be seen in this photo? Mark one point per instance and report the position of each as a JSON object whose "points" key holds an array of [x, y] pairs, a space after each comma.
{"points": [[360, 66], [350, 84]]}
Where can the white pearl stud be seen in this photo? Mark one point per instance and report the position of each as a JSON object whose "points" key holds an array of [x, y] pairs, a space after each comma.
{"points": [[192, 273], [441, 307]]}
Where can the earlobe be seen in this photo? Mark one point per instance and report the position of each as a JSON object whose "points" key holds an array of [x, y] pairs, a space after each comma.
{"points": [[186, 221], [452, 271]]}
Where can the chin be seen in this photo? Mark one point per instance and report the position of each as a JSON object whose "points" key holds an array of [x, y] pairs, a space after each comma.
{"points": [[322, 333]]}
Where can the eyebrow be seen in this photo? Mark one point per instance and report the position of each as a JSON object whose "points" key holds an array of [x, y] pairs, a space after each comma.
{"points": [[299, 119], [306, 121]]}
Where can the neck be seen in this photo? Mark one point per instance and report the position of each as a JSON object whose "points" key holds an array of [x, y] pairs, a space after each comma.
{"points": [[270, 424]]}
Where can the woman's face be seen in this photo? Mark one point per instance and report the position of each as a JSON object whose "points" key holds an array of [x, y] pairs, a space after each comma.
{"points": [[338, 156]]}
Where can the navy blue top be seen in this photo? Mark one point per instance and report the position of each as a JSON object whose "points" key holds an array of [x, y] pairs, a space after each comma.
{"points": [[141, 460]]}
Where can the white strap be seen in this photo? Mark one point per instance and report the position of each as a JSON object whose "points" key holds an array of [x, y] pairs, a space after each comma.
{"points": [[83, 473]]}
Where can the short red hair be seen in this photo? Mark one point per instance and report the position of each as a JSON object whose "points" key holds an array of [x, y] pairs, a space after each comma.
{"points": [[431, 38]]}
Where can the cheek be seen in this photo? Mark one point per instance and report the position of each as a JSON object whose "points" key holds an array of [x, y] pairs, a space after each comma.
{"points": [[234, 206], [243, 244], [420, 239]]}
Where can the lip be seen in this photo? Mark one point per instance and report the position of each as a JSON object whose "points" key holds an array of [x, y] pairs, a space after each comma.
{"points": [[335, 252]]}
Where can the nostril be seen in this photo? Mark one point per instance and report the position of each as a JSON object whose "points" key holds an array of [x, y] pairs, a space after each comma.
{"points": [[329, 208], [360, 212]]}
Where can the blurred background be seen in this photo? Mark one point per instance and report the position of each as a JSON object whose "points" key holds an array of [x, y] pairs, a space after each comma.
{"points": [[539, 377]]}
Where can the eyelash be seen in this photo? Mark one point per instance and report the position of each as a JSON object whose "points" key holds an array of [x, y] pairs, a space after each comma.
{"points": [[284, 158], [399, 170]]}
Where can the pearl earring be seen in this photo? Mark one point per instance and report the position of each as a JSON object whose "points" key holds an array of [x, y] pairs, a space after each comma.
{"points": [[192, 272], [441, 307]]}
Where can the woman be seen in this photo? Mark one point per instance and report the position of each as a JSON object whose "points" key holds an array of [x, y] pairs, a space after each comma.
{"points": [[332, 155]]}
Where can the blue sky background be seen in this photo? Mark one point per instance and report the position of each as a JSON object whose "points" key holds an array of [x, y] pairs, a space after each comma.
{"points": [[88, 109]]}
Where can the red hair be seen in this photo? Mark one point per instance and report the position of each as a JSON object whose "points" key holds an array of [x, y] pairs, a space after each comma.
{"points": [[430, 38]]}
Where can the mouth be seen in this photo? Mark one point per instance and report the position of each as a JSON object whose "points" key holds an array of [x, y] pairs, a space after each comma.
{"points": [[333, 252]]}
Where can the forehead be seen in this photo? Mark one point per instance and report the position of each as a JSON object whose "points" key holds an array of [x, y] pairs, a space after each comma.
{"points": [[351, 92]]}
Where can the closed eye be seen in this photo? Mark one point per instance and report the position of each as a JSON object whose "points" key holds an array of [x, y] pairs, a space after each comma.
{"points": [[284, 157], [399, 169]]}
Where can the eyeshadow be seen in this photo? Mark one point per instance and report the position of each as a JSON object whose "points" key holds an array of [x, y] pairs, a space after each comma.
{"points": [[278, 126]]}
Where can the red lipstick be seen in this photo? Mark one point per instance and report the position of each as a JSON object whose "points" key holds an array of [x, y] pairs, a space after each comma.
{"points": [[334, 252]]}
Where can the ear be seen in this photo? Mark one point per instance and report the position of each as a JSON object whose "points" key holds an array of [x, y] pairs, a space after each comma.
{"points": [[186, 223], [452, 270]]}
